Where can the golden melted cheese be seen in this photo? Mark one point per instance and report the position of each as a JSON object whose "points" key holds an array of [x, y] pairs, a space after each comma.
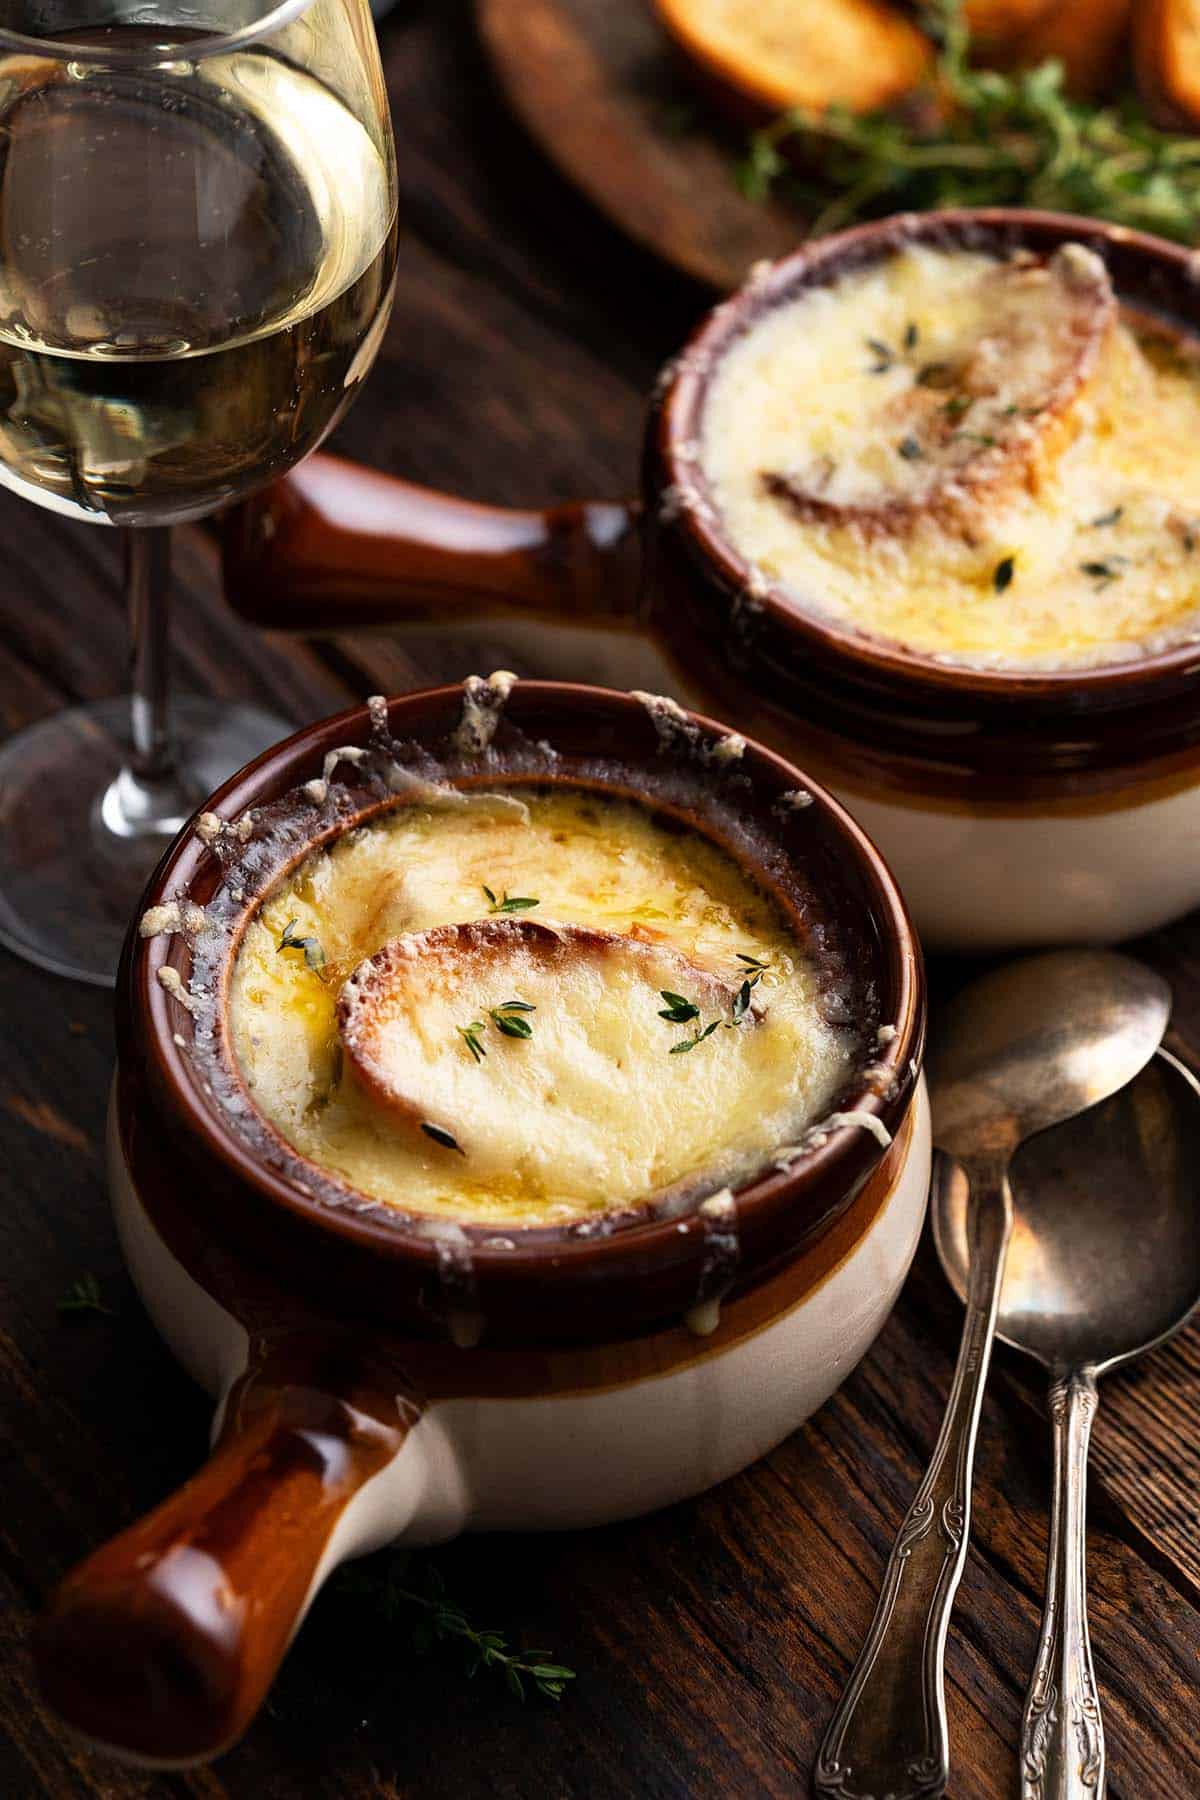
{"points": [[1092, 555], [592, 1111]]}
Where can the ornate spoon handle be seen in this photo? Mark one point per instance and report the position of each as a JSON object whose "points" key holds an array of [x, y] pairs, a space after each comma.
{"points": [[888, 1735], [1062, 1738]]}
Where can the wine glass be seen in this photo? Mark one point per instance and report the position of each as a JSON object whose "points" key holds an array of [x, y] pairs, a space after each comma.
{"points": [[197, 254]]}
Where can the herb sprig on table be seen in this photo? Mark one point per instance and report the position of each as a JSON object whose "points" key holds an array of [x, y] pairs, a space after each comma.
{"points": [[405, 1590], [980, 137], [84, 1296]]}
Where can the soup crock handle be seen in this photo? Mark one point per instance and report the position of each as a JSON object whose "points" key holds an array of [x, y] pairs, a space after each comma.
{"points": [[163, 1643], [335, 545]]}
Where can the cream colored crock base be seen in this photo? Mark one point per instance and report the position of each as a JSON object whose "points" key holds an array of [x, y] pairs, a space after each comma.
{"points": [[978, 882], [595, 1456]]}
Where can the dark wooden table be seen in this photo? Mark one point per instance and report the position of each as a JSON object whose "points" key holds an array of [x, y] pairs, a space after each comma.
{"points": [[710, 1641]]}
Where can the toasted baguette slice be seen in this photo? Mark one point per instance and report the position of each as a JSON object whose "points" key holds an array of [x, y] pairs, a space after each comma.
{"points": [[995, 24], [992, 409], [762, 56], [1088, 37], [590, 1083], [1166, 57]]}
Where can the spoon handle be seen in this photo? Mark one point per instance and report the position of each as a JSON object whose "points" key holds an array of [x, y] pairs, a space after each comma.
{"points": [[888, 1735], [1062, 1738]]}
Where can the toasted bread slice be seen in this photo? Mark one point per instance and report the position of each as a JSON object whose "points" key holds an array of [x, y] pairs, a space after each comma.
{"points": [[1088, 37], [995, 404], [581, 1074], [1166, 57], [762, 56], [995, 24]]}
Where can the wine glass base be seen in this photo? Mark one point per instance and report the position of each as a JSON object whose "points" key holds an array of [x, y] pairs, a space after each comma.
{"points": [[73, 863]]}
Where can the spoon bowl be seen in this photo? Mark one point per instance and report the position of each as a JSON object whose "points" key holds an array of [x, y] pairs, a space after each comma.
{"points": [[1104, 1259], [1103, 1264], [1037, 1041]]}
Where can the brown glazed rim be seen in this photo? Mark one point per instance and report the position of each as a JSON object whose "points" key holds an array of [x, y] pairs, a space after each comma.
{"points": [[683, 400], [148, 1019]]}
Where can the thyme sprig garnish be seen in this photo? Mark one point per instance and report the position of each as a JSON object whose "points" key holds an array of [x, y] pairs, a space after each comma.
{"points": [[84, 1296], [686, 1044], [441, 1136], [314, 955], [679, 1010], [511, 903], [980, 137], [441, 1620], [508, 1020]]}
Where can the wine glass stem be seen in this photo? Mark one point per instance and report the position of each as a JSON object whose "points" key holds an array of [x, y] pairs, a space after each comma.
{"points": [[147, 798], [148, 593]]}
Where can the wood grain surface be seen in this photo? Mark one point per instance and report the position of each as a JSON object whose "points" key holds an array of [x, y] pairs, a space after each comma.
{"points": [[599, 86], [710, 1641]]}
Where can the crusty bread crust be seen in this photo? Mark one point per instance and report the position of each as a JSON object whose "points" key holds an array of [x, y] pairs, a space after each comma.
{"points": [[996, 24], [768, 55], [1166, 55], [1024, 383], [1088, 37]]}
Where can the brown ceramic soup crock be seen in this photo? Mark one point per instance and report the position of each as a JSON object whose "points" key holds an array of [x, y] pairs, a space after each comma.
{"points": [[1016, 807], [377, 1379]]}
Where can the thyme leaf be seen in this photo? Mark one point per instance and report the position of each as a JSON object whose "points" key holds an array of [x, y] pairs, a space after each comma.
{"points": [[755, 963], [1112, 517], [507, 1018], [441, 1136], [511, 903], [910, 449], [314, 955], [472, 1037], [678, 1010], [1002, 574], [1102, 571], [741, 1004]]}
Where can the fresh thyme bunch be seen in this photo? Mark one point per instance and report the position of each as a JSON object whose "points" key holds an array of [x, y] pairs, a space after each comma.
{"points": [[408, 1587], [979, 137]]}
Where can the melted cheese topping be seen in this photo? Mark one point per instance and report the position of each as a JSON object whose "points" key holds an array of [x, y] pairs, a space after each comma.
{"points": [[1093, 556], [598, 1114]]}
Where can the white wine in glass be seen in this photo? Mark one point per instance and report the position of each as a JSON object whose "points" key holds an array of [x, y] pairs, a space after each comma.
{"points": [[197, 250]]}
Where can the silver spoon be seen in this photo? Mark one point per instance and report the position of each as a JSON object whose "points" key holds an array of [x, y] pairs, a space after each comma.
{"points": [[1021, 1049], [1104, 1264]]}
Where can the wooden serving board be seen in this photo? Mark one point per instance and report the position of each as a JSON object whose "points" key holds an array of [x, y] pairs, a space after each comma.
{"points": [[595, 84]]}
